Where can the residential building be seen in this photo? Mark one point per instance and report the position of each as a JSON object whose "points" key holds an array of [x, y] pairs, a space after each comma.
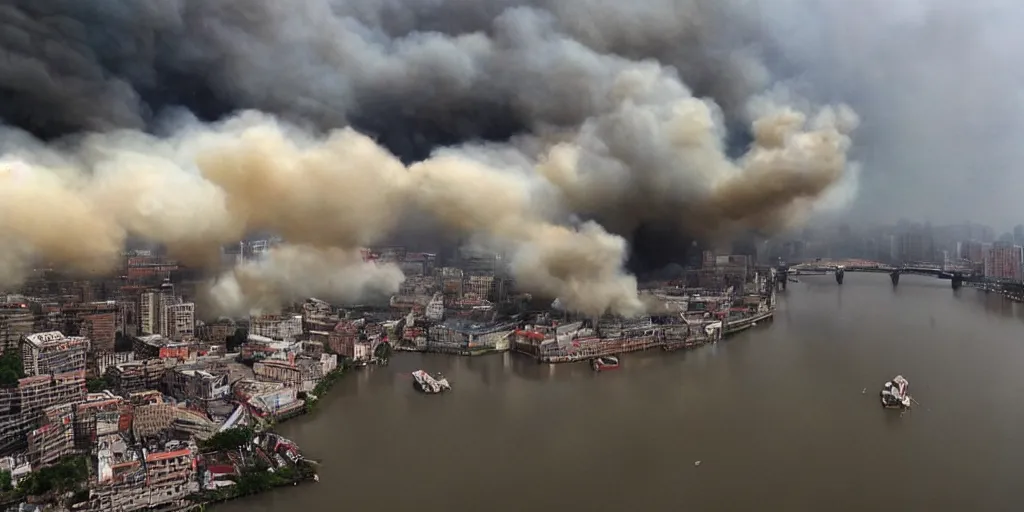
{"points": [[973, 251], [21, 406], [178, 321], [94, 320], [136, 376], [196, 384], [55, 437], [157, 346], [1003, 261], [258, 348], [99, 363], [130, 479], [16, 320], [52, 352], [277, 327], [100, 415], [149, 313], [302, 373]]}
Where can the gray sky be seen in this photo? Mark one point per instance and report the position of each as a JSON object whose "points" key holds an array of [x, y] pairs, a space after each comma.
{"points": [[937, 85]]}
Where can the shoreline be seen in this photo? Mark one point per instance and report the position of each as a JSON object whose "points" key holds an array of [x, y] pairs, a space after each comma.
{"points": [[308, 473], [610, 348]]}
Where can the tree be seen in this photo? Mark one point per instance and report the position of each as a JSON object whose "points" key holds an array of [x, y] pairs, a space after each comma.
{"points": [[11, 369], [230, 439], [97, 385]]}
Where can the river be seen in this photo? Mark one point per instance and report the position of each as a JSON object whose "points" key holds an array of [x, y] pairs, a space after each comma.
{"points": [[776, 416]]}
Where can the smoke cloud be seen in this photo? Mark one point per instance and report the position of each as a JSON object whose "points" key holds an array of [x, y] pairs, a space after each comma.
{"points": [[550, 131], [292, 273]]}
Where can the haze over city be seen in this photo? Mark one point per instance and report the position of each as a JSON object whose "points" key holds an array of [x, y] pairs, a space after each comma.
{"points": [[555, 109], [646, 254]]}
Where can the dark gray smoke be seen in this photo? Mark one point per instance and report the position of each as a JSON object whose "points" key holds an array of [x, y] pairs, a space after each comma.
{"points": [[512, 123], [416, 75]]}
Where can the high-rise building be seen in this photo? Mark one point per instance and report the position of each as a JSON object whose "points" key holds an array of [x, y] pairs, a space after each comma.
{"points": [[20, 406], [973, 251], [47, 353], [178, 321], [94, 320], [149, 313], [16, 320], [1004, 260]]}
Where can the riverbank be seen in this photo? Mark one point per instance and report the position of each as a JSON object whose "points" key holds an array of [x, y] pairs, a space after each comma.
{"points": [[729, 405], [277, 462]]}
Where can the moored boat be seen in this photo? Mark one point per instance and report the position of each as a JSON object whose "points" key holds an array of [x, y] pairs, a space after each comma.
{"points": [[603, 363], [894, 394], [422, 381]]}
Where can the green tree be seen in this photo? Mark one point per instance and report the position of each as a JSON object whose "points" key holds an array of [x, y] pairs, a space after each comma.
{"points": [[230, 439], [65, 476], [11, 369], [97, 385], [5, 481]]}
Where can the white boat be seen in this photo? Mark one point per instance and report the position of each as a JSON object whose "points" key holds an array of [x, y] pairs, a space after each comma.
{"points": [[894, 394], [422, 381]]}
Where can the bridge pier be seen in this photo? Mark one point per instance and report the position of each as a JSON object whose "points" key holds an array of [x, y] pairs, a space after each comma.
{"points": [[894, 275], [957, 280]]}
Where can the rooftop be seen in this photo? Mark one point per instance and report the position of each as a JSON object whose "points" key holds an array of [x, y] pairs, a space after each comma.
{"points": [[158, 341], [52, 338]]}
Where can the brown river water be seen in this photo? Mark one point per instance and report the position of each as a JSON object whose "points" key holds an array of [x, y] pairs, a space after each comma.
{"points": [[776, 416]]}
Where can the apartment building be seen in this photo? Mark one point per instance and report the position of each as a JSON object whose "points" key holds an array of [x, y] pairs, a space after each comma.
{"points": [[96, 321], [157, 346], [196, 384], [178, 321], [129, 479], [277, 327], [100, 415], [1004, 261], [52, 352], [136, 376], [16, 320], [21, 406], [303, 373], [55, 438]]}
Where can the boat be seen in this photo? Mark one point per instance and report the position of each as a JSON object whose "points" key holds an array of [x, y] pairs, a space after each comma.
{"points": [[605, 363], [894, 394], [422, 381]]}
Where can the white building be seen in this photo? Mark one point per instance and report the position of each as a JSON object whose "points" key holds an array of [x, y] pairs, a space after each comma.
{"points": [[278, 327], [149, 313], [435, 309], [178, 321]]}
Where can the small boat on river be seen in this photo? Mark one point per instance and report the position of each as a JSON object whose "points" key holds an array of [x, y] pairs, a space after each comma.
{"points": [[603, 363], [894, 394], [423, 382]]}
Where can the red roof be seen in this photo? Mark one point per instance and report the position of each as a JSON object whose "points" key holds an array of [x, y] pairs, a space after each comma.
{"points": [[221, 469], [153, 457]]}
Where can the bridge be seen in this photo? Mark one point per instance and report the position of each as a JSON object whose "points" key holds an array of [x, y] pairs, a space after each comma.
{"points": [[956, 275]]}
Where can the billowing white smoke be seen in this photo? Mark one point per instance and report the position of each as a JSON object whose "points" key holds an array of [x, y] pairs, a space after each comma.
{"points": [[208, 186], [618, 140], [292, 273]]}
